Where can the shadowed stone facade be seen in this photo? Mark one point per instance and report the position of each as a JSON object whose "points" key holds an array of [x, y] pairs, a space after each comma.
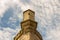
{"points": [[28, 27]]}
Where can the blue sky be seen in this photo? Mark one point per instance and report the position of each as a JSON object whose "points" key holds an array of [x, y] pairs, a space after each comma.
{"points": [[47, 14]]}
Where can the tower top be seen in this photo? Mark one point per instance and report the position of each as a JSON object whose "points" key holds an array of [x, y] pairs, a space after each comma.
{"points": [[29, 10], [28, 15]]}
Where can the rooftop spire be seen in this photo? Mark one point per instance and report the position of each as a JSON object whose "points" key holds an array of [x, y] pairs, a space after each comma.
{"points": [[28, 15]]}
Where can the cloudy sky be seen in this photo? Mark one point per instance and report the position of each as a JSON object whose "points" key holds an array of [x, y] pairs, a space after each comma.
{"points": [[47, 14]]}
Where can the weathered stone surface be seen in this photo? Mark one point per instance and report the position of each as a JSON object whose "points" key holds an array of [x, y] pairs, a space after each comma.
{"points": [[29, 36], [28, 28]]}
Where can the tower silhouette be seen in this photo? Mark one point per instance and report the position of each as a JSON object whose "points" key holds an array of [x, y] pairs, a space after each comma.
{"points": [[28, 27]]}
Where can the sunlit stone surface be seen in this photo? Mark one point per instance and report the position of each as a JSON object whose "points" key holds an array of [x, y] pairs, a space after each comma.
{"points": [[28, 27]]}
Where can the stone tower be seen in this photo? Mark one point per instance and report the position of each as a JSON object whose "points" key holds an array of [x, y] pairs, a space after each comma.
{"points": [[28, 27]]}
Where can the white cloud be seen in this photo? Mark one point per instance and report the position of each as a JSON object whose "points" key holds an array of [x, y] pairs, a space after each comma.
{"points": [[53, 34], [4, 5], [7, 34]]}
